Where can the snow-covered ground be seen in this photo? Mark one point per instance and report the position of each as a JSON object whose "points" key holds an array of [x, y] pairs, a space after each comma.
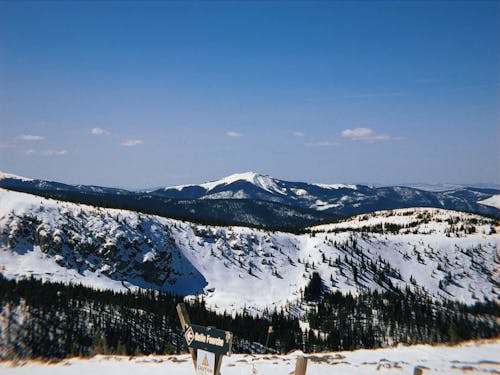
{"points": [[470, 358], [451, 254]]}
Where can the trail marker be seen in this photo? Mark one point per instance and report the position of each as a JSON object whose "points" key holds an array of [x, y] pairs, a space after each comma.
{"points": [[208, 345]]}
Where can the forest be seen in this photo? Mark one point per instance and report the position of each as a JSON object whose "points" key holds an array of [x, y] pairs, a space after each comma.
{"points": [[53, 320]]}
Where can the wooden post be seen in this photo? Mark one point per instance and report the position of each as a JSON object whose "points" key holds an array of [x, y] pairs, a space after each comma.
{"points": [[185, 321], [269, 331], [418, 371], [218, 363], [301, 365]]}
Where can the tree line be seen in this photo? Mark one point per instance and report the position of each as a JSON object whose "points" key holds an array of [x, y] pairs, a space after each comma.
{"points": [[54, 320]]}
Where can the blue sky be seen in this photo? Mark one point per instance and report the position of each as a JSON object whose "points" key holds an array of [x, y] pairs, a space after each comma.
{"points": [[144, 94]]}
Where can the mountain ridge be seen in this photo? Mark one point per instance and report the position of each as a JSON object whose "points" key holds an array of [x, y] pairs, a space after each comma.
{"points": [[337, 199], [450, 255], [260, 201]]}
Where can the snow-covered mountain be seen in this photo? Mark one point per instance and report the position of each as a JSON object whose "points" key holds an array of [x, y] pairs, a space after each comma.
{"points": [[14, 182], [253, 212], [448, 187], [449, 254], [335, 199], [252, 199]]}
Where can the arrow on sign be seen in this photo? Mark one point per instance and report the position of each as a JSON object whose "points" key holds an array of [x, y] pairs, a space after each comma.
{"points": [[189, 336]]}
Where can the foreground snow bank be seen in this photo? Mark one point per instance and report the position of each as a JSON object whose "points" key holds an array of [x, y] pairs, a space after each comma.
{"points": [[469, 358]]}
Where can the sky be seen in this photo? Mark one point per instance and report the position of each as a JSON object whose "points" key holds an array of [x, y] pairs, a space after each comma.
{"points": [[148, 94]]}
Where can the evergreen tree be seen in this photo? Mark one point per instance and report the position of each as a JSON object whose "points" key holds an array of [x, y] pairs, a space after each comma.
{"points": [[314, 289]]}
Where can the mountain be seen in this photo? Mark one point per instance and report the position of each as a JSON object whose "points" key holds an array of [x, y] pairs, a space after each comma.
{"points": [[447, 187], [447, 254], [249, 212], [336, 199], [14, 182], [251, 199]]}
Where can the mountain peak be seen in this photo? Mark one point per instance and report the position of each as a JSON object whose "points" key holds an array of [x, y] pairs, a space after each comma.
{"points": [[245, 176], [252, 177], [262, 181]]}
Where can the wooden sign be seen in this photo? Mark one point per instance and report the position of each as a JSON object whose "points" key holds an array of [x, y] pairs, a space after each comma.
{"points": [[207, 338], [207, 345]]}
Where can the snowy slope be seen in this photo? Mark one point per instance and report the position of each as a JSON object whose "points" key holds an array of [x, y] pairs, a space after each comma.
{"points": [[4, 175], [99, 247], [450, 254], [493, 201], [470, 358], [264, 182], [11, 181]]}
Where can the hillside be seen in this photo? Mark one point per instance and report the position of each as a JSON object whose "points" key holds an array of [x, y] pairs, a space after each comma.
{"points": [[448, 254]]}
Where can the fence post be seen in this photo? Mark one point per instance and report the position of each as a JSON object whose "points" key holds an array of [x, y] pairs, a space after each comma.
{"points": [[418, 371], [301, 365]]}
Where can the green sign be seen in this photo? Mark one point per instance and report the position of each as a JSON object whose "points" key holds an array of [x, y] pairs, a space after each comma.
{"points": [[210, 339]]}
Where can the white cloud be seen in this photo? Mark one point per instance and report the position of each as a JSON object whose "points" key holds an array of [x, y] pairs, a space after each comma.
{"points": [[366, 135], [233, 134], [132, 142], [30, 137], [30, 152], [99, 131], [298, 134], [55, 152], [321, 144]]}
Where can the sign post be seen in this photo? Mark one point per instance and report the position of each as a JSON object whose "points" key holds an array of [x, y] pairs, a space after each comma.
{"points": [[301, 365], [207, 345], [185, 322]]}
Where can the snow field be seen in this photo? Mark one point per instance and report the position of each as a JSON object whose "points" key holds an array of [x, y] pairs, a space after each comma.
{"points": [[469, 358]]}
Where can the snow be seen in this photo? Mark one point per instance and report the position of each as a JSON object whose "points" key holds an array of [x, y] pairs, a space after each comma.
{"points": [[264, 182], [322, 205], [37, 264], [240, 194], [470, 358], [336, 186], [4, 175], [300, 192], [493, 201], [149, 256], [434, 187], [437, 218], [240, 268]]}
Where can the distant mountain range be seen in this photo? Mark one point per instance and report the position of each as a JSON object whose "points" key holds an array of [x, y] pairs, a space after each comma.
{"points": [[446, 187], [251, 199]]}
